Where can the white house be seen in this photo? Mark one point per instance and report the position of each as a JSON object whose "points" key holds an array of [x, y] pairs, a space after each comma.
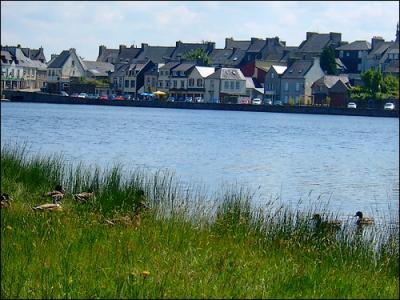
{"points": [[226, 85]]}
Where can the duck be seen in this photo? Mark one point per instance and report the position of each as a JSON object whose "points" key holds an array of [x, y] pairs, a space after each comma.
{"points": [[327, 224], [55, 206], [84, 196], [363, 221], [5, 200], [57, 194]]}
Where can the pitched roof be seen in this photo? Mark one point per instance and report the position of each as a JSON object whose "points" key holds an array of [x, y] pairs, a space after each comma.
{"points": [[298, 69], [156, 54], [98, 68], [183, 67], [315, 43], [256, 46], [356, 46], [59, 61], [205, 71], [127, 54], [380, 49], [220, 56], [227, 73], [183, 48], [108, 55], [169, 65], [330, 80], [230, 44], [120, 70]]}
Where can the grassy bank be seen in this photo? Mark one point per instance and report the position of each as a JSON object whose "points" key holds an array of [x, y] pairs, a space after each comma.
{"points": [[180, 249]]}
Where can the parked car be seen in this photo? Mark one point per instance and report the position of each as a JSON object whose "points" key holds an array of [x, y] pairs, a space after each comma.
{"points": [[91, 96], [351, 105], [268, 102], [83, 95], [279, 103], [128, 97], [171, 99], [256, 101], [198, 99], [119, 98], [63, 93], [389, 106], [75, 95], [103, 97], [188, 99]]}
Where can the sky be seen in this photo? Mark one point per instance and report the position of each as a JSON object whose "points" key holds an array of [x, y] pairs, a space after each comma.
{"points": [[82, 25]]}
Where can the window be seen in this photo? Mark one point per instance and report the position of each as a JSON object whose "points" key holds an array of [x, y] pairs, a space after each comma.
{"points": [[297, 99], [175, 83], [341, 53], [191, 82], [132, 83], [212, 84], [226, 85], [232, 85], [359, 54], [238, 85], [359, 67], [166, 83], [347, 54], [297, 86], [286, 98], [160, 83], [73, 63], [182, 84], [286, 86], [272, 75], [126, 83], [199, 82]]}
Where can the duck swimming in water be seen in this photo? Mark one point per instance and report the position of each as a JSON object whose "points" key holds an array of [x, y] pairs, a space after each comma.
{"points": [[327, 224], [363, 221]]}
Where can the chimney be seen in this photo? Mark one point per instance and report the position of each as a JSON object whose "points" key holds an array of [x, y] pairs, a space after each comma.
{"points": [[178, 43], [228, 42], [335, 37], [122, 47], [144, 46], [101, 49], [309, 35], [210, 46], [253, 40], [376, 41], [72, 50]]}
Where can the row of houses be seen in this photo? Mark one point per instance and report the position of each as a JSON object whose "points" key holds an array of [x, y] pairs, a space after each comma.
{"points": [[244, 69]]}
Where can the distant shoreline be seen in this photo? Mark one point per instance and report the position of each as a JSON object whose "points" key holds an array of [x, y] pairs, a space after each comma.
{"points": [[19, 96]]}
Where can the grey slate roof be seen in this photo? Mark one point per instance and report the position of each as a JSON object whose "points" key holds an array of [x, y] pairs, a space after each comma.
{"points": [[59, 61], [156, 54], [120, 70], [183, 48], [330, 80], [169, 65], [315, 43], [356, 46], [6, 55], [243, 45], [257, 46], [183, 67], [98, 68], [298, 69], [109, 55], [220, 56], [380, 49], [127, 54], [227, 73]]}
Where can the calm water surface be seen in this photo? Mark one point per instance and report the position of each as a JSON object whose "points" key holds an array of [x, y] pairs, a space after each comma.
{"points": [[350, 162]]}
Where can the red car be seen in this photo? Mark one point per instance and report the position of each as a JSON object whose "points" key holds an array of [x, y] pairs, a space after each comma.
{"points": [[119, 98], [103, 97]]}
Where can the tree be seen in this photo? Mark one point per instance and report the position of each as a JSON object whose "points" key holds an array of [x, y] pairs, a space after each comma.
{"points": [[327, 61], [197, 54], [373, 80]]}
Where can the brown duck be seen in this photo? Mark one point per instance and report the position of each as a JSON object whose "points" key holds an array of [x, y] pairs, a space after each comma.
{"points": [[363, 221], [57, 194], [55, 206], [84, 196], [326, 224], [5, 200]]}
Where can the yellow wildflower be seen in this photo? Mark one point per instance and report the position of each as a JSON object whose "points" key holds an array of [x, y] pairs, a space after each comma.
{"points": [[9, 227], [145, 273]]}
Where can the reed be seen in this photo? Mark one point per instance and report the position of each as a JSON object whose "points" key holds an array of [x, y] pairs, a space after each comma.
{"points": [[184, 247]]}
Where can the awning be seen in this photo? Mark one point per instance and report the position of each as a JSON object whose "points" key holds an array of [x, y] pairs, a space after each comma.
{"points": [[159, 93]]}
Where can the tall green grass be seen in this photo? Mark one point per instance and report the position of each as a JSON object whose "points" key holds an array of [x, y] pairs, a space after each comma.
{"points": [[190, 247]]}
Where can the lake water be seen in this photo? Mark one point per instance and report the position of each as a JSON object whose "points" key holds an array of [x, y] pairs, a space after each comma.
{"points": [[350, 162]]}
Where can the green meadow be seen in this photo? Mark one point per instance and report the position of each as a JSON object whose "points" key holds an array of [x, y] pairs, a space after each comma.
{"points": [[182, 248]]}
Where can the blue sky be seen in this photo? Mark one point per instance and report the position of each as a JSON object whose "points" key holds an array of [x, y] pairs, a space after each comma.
{"points": [[86, 25]]}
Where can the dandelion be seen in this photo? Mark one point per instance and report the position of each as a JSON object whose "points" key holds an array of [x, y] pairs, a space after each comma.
{"points": [[145, 273], [9, 227]]}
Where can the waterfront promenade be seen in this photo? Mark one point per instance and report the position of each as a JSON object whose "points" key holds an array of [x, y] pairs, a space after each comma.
{"points": [[19, 96]]}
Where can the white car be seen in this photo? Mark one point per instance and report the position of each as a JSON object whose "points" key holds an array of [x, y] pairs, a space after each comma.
{"points": [[351, 105], [83, 95], [389, 106], [256, 101]]}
